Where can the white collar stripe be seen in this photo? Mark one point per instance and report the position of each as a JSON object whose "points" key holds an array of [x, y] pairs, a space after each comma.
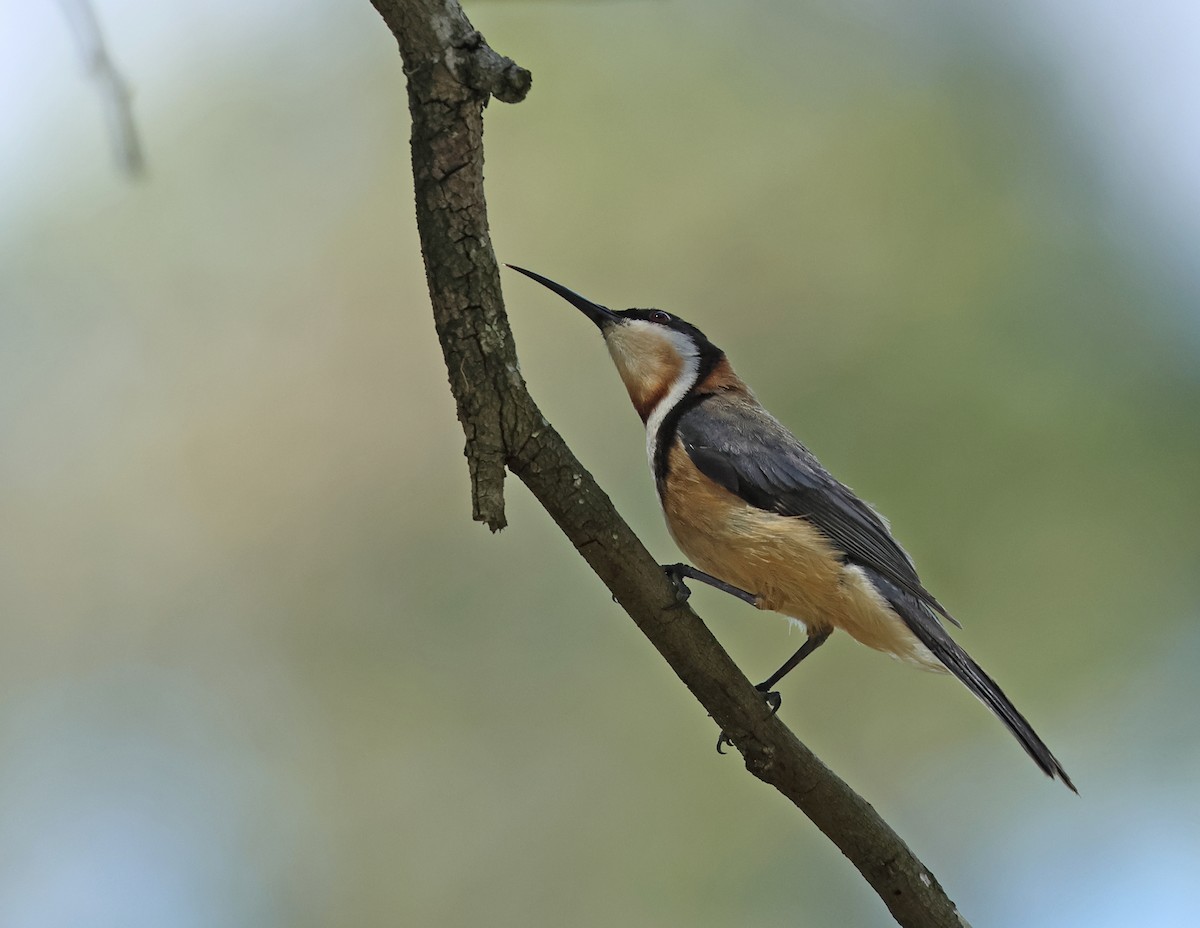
{"points": [[679, 389]]}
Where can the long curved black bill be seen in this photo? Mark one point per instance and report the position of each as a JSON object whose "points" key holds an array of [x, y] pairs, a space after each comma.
{"points": [[601, 315]]}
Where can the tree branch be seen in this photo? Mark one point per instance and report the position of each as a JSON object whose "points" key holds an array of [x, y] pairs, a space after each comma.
{"points": [[114, 92], [451, 74]]}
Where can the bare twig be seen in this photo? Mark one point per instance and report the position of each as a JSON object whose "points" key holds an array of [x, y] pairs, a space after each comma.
{"points": [[451, 74], [114, 92]]}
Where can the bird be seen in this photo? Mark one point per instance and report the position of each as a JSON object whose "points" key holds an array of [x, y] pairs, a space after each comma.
{"points": [[760, 518]]}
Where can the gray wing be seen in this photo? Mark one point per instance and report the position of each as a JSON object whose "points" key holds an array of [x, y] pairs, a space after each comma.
{"points": [[749, 453]]}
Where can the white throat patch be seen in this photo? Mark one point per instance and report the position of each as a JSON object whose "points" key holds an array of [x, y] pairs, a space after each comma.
{"points": [[686, 379], [658, 365], [685, 382]]}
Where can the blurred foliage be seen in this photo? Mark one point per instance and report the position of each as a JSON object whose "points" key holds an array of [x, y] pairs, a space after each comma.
{"points": [[260, 668]]}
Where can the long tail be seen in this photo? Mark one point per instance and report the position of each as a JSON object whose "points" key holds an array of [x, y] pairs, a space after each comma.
{"points": [[929, 630]]}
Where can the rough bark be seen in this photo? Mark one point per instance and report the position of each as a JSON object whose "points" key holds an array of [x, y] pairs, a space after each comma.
{"points": [[451, 75]]}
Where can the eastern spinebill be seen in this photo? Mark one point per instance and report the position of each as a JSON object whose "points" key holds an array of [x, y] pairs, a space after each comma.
{"points": [[762, 519]]}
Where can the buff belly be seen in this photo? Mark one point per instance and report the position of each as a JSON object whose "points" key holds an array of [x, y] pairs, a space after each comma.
{"points": [[784, 561]]}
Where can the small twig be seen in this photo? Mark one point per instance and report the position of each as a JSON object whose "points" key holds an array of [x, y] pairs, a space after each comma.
{"points": [[114, 92]]}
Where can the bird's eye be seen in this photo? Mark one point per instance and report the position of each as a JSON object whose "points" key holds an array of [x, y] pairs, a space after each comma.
{"points": [[660, 317]]}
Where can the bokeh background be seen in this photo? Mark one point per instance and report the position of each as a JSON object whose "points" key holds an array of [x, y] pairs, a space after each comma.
{"points": [[261, 669]]}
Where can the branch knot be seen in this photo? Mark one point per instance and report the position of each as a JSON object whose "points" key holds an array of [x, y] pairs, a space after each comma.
{"points": [[478, 66]]}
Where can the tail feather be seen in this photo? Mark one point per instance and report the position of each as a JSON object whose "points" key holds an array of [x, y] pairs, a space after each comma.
{"points": [[989, 693], [931, 634]]}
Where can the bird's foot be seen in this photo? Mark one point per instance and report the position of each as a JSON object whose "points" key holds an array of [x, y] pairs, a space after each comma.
{"points": [[773, 700], [675, 573]]}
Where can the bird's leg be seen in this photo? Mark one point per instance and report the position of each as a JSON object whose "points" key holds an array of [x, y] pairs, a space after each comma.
{"points": [[815, 639], [676, 572]]}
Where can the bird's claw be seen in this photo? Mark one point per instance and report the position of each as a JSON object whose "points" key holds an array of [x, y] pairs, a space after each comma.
{"points": [[682, 592], [773, 700]]}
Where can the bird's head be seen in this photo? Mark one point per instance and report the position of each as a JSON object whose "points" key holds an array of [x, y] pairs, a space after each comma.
{"points": [[657, 354]]}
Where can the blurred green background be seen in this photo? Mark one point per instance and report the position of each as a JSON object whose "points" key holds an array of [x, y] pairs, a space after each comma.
{"points": [[259, 666]]}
